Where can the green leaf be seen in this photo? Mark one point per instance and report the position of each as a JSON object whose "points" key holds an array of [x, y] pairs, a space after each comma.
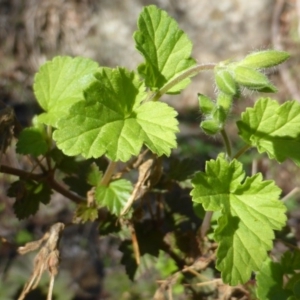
{"points": [[270, 277], [59, 84], [270, 282], [85, 213], [206, 104], [32, 140], [94, 175], [291, 261], [225, 101], [225, 82], [165, 265], [264, 59], [28, 196], [210, 127], [253, 80], [219, 114], [247, 205], [114, 196], [165, 47], [273, 128], [112, 120]]}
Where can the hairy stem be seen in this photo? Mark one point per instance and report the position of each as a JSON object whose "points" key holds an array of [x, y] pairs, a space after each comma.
{"points": [[242, 151], [108, 173], [226, 142], [186, 74]]}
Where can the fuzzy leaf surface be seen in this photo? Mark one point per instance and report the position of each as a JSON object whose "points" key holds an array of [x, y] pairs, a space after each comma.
{"points": [[273, 128], [165, 47], [114, 196], [112, 120], [264, 59], [247, 205], [60, 83]]}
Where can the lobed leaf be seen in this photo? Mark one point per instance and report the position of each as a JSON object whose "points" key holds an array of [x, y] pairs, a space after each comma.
{"points": [[247, 206], [85, 213], [60, 83], [112, 120], [114, 196], [29, 194], [165, 47], [273, 128], [32, 140]]}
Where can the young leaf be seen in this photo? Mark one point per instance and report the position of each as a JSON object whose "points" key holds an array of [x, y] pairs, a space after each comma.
{"points": [[28, 196], [225, 82], [210, 127], [250, 211], [165, 47], [114, 196], [273, 128], [85, 213], [59, 84], [264, 59], [94, 175], [113, 121], [32, 140], [253, 79], [206, 104], [225, 101]]}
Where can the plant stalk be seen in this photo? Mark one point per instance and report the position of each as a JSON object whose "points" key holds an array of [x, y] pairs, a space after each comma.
{"points": [[242, 151], [43, 177], [108, 173], [226, 143], [186, 74]]}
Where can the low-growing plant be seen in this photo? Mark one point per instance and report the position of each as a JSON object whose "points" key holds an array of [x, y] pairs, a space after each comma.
{"points": [[107, 134]]}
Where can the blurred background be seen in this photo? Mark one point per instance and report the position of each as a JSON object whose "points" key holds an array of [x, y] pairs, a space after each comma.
{"points": [[34, 31]]}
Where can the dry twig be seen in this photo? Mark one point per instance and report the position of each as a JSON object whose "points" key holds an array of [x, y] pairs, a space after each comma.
{"points": [[149, 171], [47, 258]]}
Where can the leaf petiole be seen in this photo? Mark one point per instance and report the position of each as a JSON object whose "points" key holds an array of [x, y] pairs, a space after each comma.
{"points": [[186, 74], [226, 143], [242, 151], [108, 173]]}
